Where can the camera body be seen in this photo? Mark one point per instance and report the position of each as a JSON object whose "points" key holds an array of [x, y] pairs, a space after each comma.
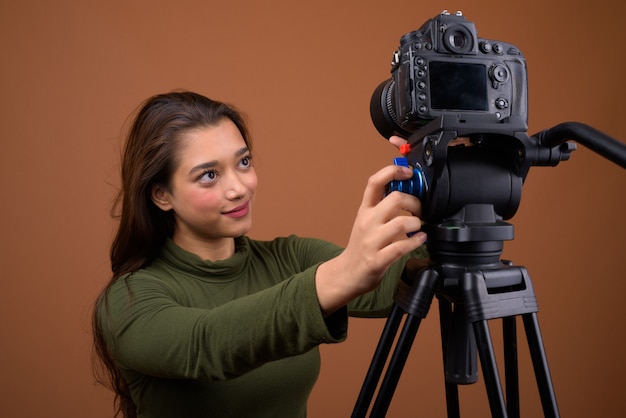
{"points": [[461, 103], [444, 69]]}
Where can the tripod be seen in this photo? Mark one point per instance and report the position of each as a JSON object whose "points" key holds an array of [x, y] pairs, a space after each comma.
{"points": [[472, 286]]}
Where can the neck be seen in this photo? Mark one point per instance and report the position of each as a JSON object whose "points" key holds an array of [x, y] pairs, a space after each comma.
{"points": [[206, 249]]}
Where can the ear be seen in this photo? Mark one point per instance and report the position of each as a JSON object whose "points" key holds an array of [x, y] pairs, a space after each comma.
{"points": [[161, 197]]}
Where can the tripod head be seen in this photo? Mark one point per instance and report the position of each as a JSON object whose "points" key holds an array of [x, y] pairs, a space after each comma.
{"points": [[475, 183], [475, 164], [472, 186]]}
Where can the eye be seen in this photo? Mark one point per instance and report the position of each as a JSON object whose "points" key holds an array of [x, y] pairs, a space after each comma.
{"points": [[246, 161], [209, 176]]}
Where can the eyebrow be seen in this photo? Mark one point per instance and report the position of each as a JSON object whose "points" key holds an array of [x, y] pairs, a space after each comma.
{"points": [[210, 164]]}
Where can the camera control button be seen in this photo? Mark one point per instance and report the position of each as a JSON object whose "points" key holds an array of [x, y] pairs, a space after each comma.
{"points": [[485, 47], [499, 73], [502, 103]]}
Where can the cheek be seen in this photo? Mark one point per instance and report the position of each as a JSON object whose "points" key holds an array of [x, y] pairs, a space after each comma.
{"points": [[204, 200], [252, 182], [253, 185]]}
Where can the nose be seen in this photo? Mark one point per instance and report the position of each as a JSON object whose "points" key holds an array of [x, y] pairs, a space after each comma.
{"points": [[235, 187]]}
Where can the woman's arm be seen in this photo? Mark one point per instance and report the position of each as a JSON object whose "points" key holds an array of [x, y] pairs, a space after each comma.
{"points": [[148, 331]]}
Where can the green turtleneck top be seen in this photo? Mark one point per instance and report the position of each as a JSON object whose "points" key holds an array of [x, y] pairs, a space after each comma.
{"points": [[232, 338]]}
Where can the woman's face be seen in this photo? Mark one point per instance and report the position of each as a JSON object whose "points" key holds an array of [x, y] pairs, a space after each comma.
{"points": [[212, 186]]}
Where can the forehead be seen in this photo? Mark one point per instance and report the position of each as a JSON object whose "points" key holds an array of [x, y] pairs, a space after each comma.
{"points": [[212, 142]]}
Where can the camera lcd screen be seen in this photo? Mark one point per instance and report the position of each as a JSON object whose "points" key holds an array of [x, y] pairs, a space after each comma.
{"points": [[458, 86]]}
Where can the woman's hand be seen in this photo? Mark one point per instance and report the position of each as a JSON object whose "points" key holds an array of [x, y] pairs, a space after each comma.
{"points": [[397, 141], [379, 237]]}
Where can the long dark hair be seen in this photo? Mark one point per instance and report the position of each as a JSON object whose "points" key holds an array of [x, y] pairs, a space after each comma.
{"points": [[149, 158]]}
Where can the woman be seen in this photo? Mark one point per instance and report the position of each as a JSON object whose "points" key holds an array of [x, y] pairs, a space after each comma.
{"points": [[199, 320]]}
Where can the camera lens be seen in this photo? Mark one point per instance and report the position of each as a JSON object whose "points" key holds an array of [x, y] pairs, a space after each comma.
{"points": [[458, 39], [383, 110]]}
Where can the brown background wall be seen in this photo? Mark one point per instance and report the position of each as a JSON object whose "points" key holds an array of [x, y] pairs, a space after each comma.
{"points": [[72, 71]]}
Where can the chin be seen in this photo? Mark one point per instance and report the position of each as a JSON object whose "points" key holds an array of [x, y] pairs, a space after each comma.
{"points": [[243, 229]]}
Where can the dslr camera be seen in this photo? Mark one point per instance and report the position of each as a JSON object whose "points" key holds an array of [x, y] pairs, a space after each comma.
{"points": [[447, 83], [445, 70]]}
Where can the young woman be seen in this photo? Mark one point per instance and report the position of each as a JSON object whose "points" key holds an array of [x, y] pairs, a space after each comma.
{"points": [[199, 320]]}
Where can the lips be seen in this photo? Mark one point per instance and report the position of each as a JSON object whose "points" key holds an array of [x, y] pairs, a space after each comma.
{"points": [[239, 211]]}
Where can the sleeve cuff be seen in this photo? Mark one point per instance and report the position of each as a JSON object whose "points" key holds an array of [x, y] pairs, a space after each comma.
{"points": [[332, 329]]}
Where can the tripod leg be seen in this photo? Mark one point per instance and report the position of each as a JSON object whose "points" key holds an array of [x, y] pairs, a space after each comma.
{"points": [[509, 332], [396, 364], [413, 296], [540, 364], [452, 390], [378, 363], [490, 369]]}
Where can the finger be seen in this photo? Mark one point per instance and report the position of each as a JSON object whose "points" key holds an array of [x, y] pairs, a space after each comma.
{"points": [[401, 227], [377, 183], [397, 141], [396, 229], [399, 248], [399, 201]]}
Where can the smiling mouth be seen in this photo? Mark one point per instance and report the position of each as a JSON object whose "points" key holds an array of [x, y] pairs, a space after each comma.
{"points": [[239, 211]]}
